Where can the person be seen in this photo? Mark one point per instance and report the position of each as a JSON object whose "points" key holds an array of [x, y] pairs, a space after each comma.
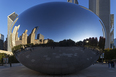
{"points": [[109, 64], [31, 48], [112, 64]]}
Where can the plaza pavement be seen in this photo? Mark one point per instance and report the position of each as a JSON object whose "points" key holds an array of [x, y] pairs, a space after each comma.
{"points": [[96, 70]]}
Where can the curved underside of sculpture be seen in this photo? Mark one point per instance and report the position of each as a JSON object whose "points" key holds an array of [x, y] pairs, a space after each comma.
{"points": [[60, 60]]}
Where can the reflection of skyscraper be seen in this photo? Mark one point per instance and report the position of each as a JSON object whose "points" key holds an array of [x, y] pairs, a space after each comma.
{"points": [[41, 38], [11, 18], [73, 1], [37, 27], [102, 9], [31, 37], [24, 37], [14, 34], [1, 41]]}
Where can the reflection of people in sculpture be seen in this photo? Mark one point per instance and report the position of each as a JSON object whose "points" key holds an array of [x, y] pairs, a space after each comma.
{"points": [[30, 48], [5, 60]]}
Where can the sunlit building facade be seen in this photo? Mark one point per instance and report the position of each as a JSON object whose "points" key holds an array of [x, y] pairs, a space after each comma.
{"points": [[1, 37], [10, 19]]}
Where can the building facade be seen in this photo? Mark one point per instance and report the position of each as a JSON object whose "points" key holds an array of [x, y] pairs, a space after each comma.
{"points": [[112, 31], [102, 9], [1, 37], [73, 1], [10, 19], [1, 41], [5, 44], [115, 43], [1, 45]]}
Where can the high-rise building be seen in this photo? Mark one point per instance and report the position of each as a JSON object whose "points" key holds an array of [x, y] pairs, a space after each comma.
{"points": [[1, 45], [73, 1], [115, 43], [102, 9], [1, 41], [1, 37], [11, 21], [5, 44], [112, 31]]}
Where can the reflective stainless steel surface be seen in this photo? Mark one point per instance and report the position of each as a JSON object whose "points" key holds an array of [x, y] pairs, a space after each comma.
{"points": [[45, 26]]}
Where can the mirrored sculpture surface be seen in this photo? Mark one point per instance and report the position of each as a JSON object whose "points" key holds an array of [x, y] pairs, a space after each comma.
{"points": [[46, 39]]}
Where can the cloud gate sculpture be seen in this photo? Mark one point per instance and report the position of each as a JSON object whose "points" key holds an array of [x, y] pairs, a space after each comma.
{"points": [[45, 38]]}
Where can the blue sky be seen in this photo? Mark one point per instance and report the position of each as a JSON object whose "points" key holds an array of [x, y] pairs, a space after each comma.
{"points": [[18, 6]]}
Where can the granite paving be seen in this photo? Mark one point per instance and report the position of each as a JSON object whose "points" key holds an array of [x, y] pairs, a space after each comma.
{"points": [[96, 70]]}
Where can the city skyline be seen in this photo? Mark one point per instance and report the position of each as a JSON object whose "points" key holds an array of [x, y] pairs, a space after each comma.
{"points": [[8, 10]]}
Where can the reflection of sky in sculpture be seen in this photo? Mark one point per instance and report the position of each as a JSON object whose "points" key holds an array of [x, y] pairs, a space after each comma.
{"points": [[60, 20]]}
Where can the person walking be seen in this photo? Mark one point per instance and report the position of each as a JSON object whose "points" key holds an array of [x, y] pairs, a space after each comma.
{"points": [[112, 64], [109, 64]]}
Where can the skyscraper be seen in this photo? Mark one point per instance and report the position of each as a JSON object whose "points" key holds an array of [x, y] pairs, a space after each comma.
{"points": [[115, 42], [10, 18], [1, 37], [102, 9], [1, 41], [73, 1]]}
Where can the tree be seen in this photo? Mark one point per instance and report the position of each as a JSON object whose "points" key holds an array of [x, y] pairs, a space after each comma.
{"points": [[67, 42], [50, 42], [101, 43], [109, 54], [80, 43]]}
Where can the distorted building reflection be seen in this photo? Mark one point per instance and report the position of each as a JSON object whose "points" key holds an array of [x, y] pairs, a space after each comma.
{"points": [[25, 39]]}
